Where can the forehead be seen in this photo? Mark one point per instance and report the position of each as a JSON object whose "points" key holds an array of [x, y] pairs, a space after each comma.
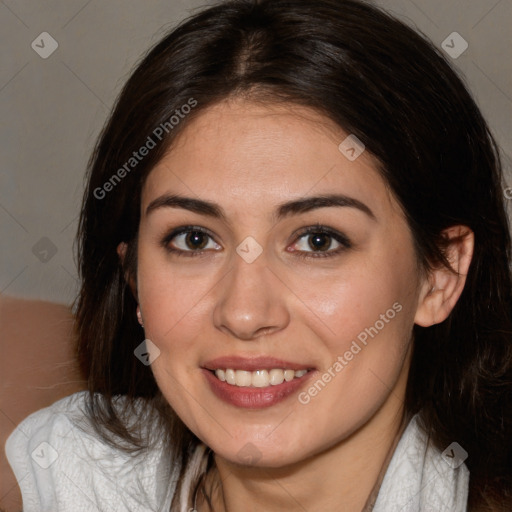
{"points": [[263, 154]]}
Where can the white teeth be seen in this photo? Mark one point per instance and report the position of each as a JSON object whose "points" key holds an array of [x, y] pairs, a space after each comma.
{"points": [[259, 378], [243, 378], [230, 376], [289, 375], [276, 377]]}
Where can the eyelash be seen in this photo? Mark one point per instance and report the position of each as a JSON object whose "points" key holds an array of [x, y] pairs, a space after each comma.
{"points": [[317, 229]]}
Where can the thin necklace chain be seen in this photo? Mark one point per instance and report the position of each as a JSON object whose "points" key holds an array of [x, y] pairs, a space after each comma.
{"points": [[368, 507], [370, 503]]}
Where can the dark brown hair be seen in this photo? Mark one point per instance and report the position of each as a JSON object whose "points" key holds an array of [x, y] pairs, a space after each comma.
{"points": [[380, 80]]}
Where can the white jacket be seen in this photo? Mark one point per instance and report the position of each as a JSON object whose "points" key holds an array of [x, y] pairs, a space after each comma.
{"points": [[62, 468]]}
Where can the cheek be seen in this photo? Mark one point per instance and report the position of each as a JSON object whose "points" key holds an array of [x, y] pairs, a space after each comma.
{"points": [[366, 321], [173, 312], [346, 304], [367, 314], [172, 299]]}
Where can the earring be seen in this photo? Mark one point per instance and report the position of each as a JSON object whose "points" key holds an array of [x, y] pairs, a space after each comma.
{"points": [[139, 317]]}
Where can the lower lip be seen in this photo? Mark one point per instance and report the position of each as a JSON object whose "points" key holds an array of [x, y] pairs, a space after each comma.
{"points": [[250, 397]]}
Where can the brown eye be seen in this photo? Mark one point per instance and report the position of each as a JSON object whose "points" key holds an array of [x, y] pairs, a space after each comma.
{"points": [[189, 241], [320, 242], [196, 240]]}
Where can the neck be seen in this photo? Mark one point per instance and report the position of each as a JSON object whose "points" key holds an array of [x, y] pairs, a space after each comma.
{"points": [[348, 474]]}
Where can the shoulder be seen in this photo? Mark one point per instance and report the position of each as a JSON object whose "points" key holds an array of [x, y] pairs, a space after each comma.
{"points": [[422, 477], [61, 464]]}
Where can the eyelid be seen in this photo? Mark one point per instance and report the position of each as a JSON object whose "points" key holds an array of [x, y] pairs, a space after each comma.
{"points": [[318, 228], [180, 230], [185, 229], [342, 239]]}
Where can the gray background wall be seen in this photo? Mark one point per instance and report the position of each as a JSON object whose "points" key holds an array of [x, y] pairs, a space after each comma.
{"points": [[53, 108]]}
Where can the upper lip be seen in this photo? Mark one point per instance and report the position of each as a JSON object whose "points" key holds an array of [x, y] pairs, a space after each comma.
{"points": [[251, 364]]}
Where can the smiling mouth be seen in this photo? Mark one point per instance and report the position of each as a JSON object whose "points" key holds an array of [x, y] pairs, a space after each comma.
{"points": [[258, 378]]}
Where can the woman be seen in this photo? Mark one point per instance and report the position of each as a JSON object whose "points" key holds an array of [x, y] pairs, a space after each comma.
{"points": [[297, 206]]}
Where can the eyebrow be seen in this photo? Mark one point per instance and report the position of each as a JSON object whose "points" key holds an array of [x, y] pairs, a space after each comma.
{"points": [[283, 210]]}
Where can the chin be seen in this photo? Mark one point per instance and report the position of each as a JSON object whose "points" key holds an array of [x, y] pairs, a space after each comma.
{"points": [[254, 454]]}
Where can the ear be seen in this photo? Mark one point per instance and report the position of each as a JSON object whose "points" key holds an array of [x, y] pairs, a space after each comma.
{"points": [[442, 289], [121, 252]]}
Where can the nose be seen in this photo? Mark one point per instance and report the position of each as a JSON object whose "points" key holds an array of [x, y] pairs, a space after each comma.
{"points": [[251, 301]]}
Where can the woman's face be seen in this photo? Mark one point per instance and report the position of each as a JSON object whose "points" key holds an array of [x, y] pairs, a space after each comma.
{"points": [[228, 279]]}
